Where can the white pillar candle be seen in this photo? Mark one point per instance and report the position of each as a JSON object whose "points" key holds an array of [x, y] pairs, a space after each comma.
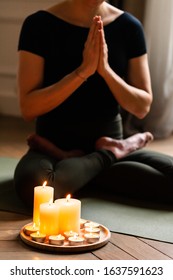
{"points": [[69, 214], [49, 218], [42, 194]]}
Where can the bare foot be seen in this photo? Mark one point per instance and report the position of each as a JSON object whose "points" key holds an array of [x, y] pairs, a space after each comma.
{"points": [[41, 144], [121, 148]]}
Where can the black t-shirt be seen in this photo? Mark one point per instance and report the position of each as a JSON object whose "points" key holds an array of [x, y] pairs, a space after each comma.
{"points": [[61, 45]]}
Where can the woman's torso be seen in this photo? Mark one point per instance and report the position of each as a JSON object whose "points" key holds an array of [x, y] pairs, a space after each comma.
{"points": [[61, 44]]}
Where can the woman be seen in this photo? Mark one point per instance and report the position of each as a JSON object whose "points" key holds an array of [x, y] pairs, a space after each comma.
{"points": [[79, 62]]}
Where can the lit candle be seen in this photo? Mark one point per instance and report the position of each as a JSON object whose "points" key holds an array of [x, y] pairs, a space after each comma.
{"points": [[92, 229], [70, 233], [69, 214], [91, 237], [38, 237], [56, 239], [49, 218], [75, 240], [91, 224], [28, 229], [42, 194]]}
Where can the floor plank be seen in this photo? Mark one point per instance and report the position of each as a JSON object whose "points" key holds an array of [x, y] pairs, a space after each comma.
{"points": [[112, 252], [166, 248], [136, 247]]}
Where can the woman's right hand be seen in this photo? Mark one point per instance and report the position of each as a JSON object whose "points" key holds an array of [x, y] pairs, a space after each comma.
{"points": [[91, 50]]}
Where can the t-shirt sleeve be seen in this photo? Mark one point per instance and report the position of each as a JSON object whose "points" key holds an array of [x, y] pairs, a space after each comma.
{"points": [[136, 39], [32, 36]]}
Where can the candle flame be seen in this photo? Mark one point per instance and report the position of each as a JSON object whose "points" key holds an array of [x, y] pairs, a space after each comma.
{"points": [[75, 236], [45, 183], [33, 225], [38, 233], [68, 197]]}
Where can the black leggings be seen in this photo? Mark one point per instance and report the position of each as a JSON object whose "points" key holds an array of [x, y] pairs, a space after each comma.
{"points": [[142, 174]]}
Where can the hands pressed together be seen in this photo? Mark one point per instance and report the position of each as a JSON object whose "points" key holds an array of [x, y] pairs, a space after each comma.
{"points": [[95, 53]]}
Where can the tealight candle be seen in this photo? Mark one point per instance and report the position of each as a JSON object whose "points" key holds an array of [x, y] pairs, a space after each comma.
{"points": [[38, 237], [42, 194], [49, 218], [28, 229], [92, 229], [91, 224], [70, 233], [69, 214], [82, 223], [56, 239], [75, 240], [91, 237]]}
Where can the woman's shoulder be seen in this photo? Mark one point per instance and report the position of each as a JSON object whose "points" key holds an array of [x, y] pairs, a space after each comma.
{"points": [[36, 17], [130, 20], [40, 20], [117, 15]]}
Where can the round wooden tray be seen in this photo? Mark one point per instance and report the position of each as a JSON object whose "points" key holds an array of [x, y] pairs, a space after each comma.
{"points": [[45, 246]]}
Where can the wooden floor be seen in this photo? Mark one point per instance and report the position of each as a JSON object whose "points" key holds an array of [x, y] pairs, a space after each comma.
{"points": [[13, 133]]}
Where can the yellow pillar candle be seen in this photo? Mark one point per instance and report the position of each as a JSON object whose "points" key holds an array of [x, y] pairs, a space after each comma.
{"points": [[42, 194], [49, 218], [69, 214]]}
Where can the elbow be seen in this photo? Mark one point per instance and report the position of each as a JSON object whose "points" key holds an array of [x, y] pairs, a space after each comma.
{"points": [[27, 117], [26, 113], [143, 111]]}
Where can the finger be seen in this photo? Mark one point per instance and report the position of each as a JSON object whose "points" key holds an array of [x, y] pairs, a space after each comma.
{"points": [[93, 29]]}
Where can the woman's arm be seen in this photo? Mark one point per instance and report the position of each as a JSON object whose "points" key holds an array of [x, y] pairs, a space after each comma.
{"points": [[36, 100], [135, 94]]}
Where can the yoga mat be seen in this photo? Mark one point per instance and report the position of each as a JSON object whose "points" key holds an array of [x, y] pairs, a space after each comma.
{"points": [[121, 215], [131, 217], [9, 200]]}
